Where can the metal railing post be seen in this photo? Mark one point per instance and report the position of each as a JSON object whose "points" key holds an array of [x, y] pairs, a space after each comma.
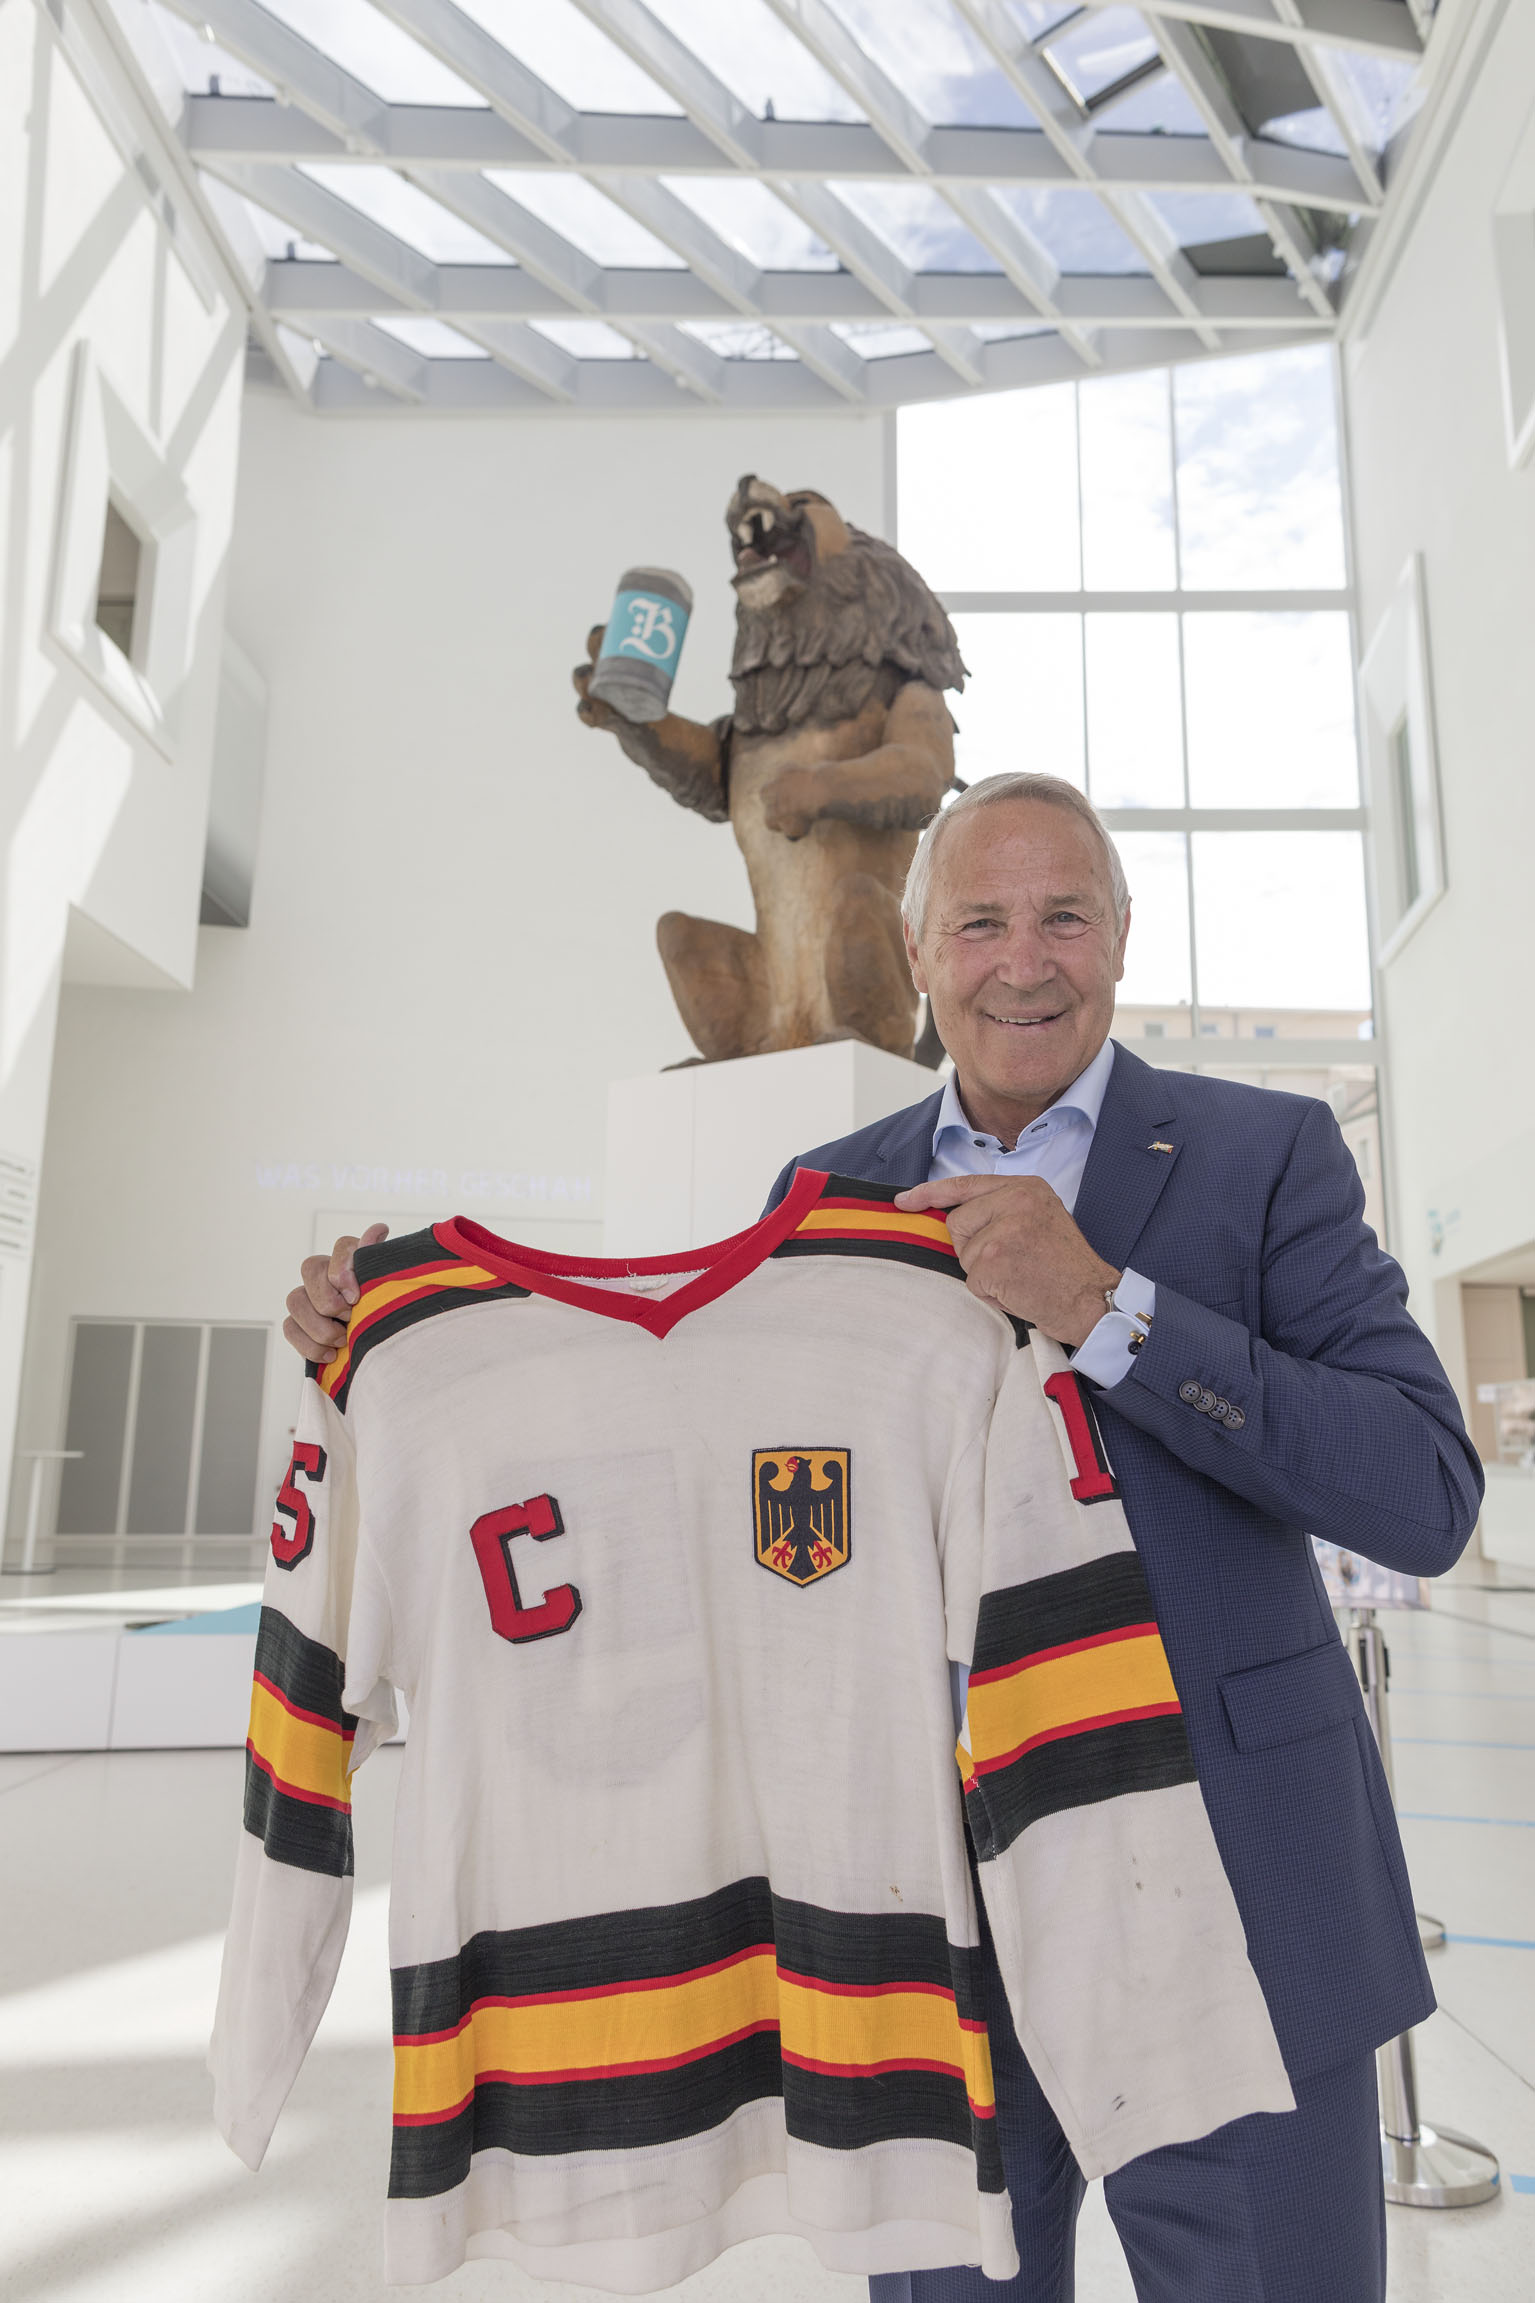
{"points": [[1423, 2166]]}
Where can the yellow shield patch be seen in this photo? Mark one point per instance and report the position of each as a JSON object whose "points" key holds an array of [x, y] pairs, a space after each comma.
{"points": [[803, 1504]]}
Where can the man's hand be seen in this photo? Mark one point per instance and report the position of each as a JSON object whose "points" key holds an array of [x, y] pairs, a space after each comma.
{"points": [[318, 1311], [1020, 1249]]}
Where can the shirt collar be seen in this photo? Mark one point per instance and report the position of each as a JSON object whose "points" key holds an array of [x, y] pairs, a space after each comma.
{"points": [[1083, 1099]]}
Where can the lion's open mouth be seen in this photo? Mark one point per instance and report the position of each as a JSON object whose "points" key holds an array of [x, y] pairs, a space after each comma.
{"points": [[763, 537]]}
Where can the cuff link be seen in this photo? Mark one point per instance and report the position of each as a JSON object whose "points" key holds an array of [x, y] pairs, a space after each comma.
{"points": [[1139, 1321]]}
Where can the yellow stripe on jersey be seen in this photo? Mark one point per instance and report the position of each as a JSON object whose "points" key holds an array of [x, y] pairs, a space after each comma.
{"points": [[298, 1750], [1088, 1686]]}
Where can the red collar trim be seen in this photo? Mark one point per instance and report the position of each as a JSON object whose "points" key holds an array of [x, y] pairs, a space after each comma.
{"points": [[720, 1267]]}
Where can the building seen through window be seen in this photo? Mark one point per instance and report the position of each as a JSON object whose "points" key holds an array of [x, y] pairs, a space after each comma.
{"points": [[1148, 578]]}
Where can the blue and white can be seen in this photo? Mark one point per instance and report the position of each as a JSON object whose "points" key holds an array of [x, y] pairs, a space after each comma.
{"points": [[637, 662]]}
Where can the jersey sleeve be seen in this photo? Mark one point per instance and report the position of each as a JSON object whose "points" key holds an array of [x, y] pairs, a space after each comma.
{"points": [[293, 1873], [1117, 1934]]}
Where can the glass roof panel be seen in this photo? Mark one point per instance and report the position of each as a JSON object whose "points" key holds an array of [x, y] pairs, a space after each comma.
{"points": [[579, 62], [1314, 130], [279, 240], [1093, 54], [758, 58], [587, 218], [1004, 331], [919, 225], [587, 339], [434, 338], [1382, 89], [739, 339], [1199, 217], [932, 55], [744, 212], [880, 339], [1074, 227], [199, 60], [1037, 17], [366, 44], [411, 215], [1157, 106]]}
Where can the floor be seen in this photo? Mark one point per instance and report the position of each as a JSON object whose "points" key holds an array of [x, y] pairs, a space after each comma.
{"points": [[116, 1873]]}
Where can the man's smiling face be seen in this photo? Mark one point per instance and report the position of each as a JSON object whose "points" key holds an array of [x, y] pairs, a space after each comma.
{"points": [[1019, 955]]}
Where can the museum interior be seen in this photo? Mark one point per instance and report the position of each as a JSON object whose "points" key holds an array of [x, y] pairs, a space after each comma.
{"points": [[358, 360]]}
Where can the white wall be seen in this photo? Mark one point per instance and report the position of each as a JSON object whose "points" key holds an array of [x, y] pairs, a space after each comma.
{"points": [[1431, 475], [101, 823], [451, 949]]}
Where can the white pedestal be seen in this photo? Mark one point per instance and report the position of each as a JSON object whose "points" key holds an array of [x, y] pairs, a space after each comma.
{"points": [[692, 1154]]}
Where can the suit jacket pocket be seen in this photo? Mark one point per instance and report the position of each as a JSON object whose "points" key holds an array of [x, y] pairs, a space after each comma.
{"points": [[1292, 1700]]}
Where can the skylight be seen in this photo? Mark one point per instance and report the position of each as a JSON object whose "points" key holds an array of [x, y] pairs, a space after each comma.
{"points": [[433, 338], [580, 63], [587, 218], [421, 222], [759, 60], [752, 219], [793, 188], [936, 61], [383, 57], [919, 225], [1075, 229]]}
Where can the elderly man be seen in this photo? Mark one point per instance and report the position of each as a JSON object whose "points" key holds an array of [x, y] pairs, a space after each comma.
{"points": [[1201, 1248]]}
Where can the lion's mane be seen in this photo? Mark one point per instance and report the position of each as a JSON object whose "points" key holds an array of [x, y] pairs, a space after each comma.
{"points": [[818, 658]]}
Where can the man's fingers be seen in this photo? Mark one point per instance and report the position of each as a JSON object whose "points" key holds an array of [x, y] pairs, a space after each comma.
{"points": [[305, 1346], [312, 1324], [318, 1275], [594, 641], [339, 1272], [952, 1191]]}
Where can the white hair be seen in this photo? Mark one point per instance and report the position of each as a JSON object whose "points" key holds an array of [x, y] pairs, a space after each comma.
{"points": [[989, 793]]}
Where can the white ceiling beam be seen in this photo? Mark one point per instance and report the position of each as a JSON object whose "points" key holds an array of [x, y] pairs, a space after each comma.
{"points": [[1186, 55], [523, 352], [706, 100], [330, 95], [1069, 128], [552, 259], [886, 107], [1375, 27], [377, 358], [404, 274], [1025, 260], [682, 357], [455, 137], [515, 93]]}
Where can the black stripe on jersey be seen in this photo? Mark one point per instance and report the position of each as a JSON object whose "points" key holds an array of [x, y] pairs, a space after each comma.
{"points": [[402, 1316], [1077, 1771], [645, 2110], [676, 1939], [386, 1257], [310, 1675], [1109, 1593], [881, 1250], [294, 1831]]}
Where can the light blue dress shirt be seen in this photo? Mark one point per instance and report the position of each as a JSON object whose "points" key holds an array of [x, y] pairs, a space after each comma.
{"points": [[1055, 1147]]}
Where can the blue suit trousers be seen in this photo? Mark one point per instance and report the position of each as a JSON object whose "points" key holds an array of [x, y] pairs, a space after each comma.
{"points": [[1272, 2209]]}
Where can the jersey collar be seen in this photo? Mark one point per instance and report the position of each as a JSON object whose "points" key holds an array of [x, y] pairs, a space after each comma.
{"points": [[718, 1268]]}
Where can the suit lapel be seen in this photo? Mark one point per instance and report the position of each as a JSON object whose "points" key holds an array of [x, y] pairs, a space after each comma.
{"points": [[1135, 1149]]}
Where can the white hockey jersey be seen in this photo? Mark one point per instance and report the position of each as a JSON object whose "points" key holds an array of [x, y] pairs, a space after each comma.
{"points": [[670, 1559]]}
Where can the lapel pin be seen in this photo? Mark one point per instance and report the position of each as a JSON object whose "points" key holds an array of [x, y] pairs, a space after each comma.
{"points": [[1159, 1147]]}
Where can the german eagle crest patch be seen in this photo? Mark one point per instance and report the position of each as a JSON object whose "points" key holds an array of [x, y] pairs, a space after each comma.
{"points": [[803, 1505]]}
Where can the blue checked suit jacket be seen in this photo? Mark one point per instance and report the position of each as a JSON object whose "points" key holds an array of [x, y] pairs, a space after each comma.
{"points": [[1273, 1294]]}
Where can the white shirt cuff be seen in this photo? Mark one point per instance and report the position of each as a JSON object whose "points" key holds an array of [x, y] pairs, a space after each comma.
{"points": [[1105, 1356]]}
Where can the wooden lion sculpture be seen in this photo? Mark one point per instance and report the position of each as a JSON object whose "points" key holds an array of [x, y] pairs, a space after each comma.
{"points": [[839, 750]]}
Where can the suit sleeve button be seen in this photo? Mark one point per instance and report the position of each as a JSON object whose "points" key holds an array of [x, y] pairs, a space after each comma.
{"points": [[1189, 1392], [1234, 1419], [1208, 1401]]}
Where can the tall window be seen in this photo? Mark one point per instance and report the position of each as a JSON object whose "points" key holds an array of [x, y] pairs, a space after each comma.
{"points": [[1148, 579]]}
